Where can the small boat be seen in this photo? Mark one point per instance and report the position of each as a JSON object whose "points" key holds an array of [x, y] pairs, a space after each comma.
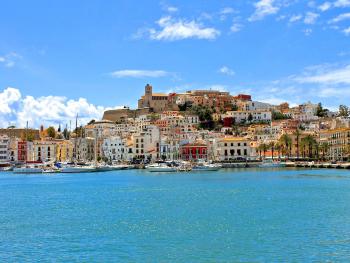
{"points": [[6, 167], [27, 170], [204, 166], [78, 169], [271, 164], [160, 167]]}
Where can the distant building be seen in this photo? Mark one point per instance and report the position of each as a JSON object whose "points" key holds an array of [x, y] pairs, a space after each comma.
{"points": [[156, 102], [4, 148], [20, 133], [234, 148], [194, 151]]}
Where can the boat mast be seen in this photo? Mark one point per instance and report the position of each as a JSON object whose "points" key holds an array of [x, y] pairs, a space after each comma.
{"points": [[76, 137]]}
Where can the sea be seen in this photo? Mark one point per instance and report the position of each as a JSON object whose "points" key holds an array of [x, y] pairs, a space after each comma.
{"points": [[232, 215]]}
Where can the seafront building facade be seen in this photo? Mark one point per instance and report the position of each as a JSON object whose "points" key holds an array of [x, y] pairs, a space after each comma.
{"points": [[192, 125]]}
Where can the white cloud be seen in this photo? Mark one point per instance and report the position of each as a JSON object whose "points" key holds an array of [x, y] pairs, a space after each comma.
{"points": [[325, 6], [295, 18], [307, 31], [46, 110], [9, 60], [227, 10], [8, 97], [263, 8], [135, 73], [235, 27], [326, 75], [172, 9], [310, 18], [342, 3], [346, 31], [226, 71], [171, 29], [340, 18]]}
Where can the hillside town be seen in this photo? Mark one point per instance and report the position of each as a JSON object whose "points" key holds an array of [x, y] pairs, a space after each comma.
{"points": [[195, 125]]}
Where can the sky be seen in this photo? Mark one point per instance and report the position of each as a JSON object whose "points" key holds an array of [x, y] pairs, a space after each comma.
{"points": [[62, 58]]}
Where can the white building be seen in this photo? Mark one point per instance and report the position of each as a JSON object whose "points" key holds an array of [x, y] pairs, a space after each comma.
{"points": [[244, 116], [114, 149], [101, 129], [4, 148], [234, 148], [43, 151]]}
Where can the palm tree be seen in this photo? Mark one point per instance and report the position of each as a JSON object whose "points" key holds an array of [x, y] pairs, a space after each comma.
{"points": [[260, 149], [272, 146], [310, 142], [297, 134], [278, 147], [324, 147], [263, 147], [286, 143]]}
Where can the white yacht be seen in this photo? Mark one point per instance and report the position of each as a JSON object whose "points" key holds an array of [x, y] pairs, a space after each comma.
{"points": [[78, 169], [271, 164], [204, 166], [28, 169], [160, 167]]}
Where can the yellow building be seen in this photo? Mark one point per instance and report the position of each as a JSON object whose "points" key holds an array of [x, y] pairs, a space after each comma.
{"points": [[338, 141], [64, 151]]}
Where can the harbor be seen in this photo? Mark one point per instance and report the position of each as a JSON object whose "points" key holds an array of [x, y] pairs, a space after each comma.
{"points": [[230, 215]]}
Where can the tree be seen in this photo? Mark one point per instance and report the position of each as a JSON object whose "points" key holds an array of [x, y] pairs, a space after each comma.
{"points": [[250, 117], [286, 143], [309, 142], [234, 107], [297, 134], [28, 136], [278, 147], [51, 132], [272, 145], [276, 115], [320, 111], [263, 147], [66, 133], [324, 147], [344, 111], [91, 122]]}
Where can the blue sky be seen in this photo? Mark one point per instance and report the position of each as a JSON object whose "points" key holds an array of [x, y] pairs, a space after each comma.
{"points": [[63, 57]]}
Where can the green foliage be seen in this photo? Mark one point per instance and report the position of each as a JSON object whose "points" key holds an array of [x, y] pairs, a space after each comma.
{"points": [[51, 132], [66, 134], [154, 116], [344, 111], [91, 122], [250, 117], [234, 107], [185, 107], [276, 115], [205, 116], [320, 111], [28, 136]]}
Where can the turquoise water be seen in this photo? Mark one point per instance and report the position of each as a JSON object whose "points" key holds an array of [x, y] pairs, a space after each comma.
{"points": [[136, 216]]}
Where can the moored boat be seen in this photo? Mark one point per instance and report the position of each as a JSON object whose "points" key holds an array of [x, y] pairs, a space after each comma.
{"points": [[271, 164], [160, 167], [27, 170], [204, 166], [78, 169]]}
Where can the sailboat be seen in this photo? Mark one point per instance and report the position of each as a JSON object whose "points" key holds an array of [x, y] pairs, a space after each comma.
{"points": [[75, 168]]}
